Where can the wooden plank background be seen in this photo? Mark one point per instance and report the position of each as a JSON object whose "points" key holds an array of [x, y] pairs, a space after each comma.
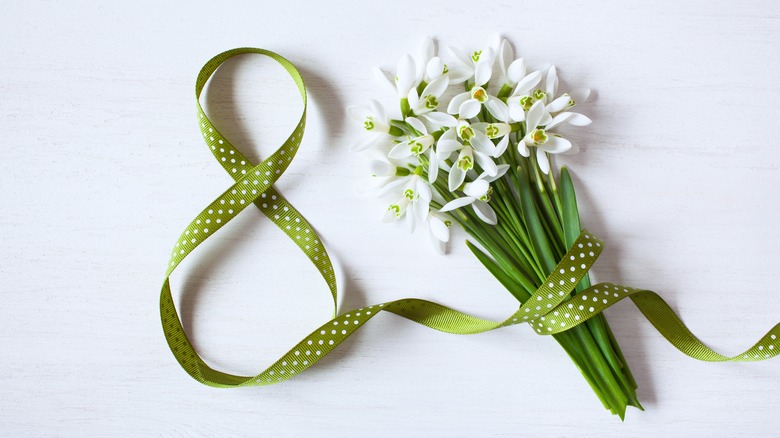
{"points": [[102, 166]]}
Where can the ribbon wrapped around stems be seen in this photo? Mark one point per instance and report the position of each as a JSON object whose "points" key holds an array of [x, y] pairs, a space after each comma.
{"points": [[551, 309]]}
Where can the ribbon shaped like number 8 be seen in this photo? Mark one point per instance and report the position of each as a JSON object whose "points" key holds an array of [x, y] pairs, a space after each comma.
{"points": [[551, 309]]}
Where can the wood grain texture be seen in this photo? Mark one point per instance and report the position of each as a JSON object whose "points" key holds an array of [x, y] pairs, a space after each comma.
{"points": [[103, 165]]}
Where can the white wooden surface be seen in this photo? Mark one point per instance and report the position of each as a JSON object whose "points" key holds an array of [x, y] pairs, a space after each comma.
{"points": [[102, 166]]}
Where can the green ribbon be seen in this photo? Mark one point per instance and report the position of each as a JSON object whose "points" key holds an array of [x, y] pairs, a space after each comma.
{"points": [[551, 309]]}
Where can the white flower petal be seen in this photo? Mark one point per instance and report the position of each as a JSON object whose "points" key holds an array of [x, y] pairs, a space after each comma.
{"points": [[501, 147], [381, 168], [358, 113], [459, 74], [439, 229], [516, 71], [551, 84], [445, 148], [541, 158], [421, 210], [556, 144], [534, 115], [482, 72], [435, 68], [476, 189], [433, 166], [575, 119], [457, 203], [488, 55], [394, 187], [505, 57], [546, 118], [497, 109], [485, 212], [487, 163], [526, 84], [416, 124], [457, 101], [384, 80], [423, 189], [439, 119], [482, 143], [460, 58], [410, 219], [516, 112], [559, 103], [502, 169], [469, 109], [437, 86], [365, 142], [413, 98], [573, 150], [405, 76], [379, 110], [456, 178], [522, 148], [426, 53], [401, 150], [580, 95]]}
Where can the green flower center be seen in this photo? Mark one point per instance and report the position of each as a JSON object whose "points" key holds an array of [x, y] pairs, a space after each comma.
{"points": [[486, 196], [572, 102], [466, 133], [368, 124], [417, 147], [491, 130], [539, 136], [475, 56], [526, 102], [539, 94], [446, 69], [480, 94], [396, 209], [465, 163], [409, 194], [447, 223], [431, 102]]}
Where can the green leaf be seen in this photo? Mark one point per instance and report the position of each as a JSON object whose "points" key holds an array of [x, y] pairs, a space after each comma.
{"points": [[515, 288], [536, 230]]}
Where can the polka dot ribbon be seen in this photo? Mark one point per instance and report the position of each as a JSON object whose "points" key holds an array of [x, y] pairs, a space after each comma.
{"points": [[553, 308]]}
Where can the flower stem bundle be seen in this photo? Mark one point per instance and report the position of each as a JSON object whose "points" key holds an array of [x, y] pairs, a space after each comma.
{"points": [[482, 161]]}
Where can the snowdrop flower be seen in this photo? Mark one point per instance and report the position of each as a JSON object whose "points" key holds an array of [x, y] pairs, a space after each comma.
{"points": [[465, 67], [468, 104], [539, 137], [429, 66], [478, 195], [386, 168], [376, 125], [425, 105], [439, 226], [471, 144], [522, 97], [413, 204], [566, 100], [513, 71], [406, 76], [415, 144], [493, 131]]}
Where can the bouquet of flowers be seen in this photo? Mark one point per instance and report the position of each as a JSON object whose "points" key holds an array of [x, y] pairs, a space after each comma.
{"points": [[480, 158]]}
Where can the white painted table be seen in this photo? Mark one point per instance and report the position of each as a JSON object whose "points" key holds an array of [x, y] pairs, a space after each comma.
{"points": [[103, 166]]}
